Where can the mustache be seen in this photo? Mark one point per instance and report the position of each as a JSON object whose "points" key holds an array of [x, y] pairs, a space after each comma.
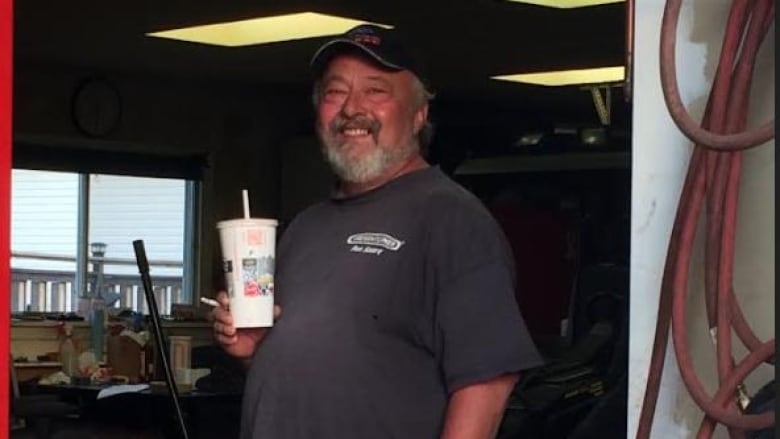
{"points": [[340, 123]]}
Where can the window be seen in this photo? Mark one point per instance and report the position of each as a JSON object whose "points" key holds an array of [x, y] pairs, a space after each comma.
{"points": [[72, 235]]}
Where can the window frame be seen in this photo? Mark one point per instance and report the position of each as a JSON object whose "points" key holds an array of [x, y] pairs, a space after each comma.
{"points": [[35, 155]]}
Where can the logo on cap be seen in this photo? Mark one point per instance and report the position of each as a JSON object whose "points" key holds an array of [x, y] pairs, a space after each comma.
{"points": [[367, 39]]}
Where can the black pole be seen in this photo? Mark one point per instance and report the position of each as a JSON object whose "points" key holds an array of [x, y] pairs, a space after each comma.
{"points": [[143, 268]]}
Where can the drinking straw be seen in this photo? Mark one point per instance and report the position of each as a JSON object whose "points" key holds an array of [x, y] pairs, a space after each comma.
{"points": [[245, 195]]}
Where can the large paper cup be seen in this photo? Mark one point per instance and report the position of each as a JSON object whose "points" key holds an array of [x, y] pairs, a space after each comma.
{"points": [[248, 258]]}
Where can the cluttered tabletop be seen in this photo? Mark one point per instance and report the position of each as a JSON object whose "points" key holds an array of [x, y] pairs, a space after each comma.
{"points": [[121, 355]]}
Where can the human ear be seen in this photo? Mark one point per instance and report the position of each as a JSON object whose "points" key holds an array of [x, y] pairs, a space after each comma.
{"points": [[420, 116]]}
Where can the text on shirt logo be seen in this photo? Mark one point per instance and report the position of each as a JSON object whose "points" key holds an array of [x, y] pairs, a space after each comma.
{"points": [[373, 243]]}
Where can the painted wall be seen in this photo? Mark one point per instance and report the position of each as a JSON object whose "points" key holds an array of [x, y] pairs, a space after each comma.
{"points": [[660, 161], [6, 84], [43, 225], [44, 213]]}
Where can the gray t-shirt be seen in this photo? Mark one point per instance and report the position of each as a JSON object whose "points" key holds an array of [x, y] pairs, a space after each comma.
{"points": [[391, 300]]}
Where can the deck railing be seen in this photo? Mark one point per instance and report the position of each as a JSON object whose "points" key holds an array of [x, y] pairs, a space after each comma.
{"points": [[55, 291]]}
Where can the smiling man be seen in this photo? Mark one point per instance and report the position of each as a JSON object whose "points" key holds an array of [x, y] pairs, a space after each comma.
{"points": [[397, 316], [368, 120]]}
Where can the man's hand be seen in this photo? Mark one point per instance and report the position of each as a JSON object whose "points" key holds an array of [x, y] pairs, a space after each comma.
{"points": [[238, 342]]}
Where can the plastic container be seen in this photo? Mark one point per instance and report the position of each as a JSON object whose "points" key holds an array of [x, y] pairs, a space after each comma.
{"points": [[248, 258], [69, 357], [181, 351], [97, 323]]}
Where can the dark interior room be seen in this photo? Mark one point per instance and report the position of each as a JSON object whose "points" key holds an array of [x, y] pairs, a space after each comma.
{"points": [[551, 163]]}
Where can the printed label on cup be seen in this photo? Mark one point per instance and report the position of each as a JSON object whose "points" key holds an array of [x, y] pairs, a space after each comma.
{"points": [[255, 237], [258, 276]]}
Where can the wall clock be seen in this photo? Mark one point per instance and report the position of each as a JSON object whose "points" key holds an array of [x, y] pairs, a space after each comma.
{"points": [[96, 107]]}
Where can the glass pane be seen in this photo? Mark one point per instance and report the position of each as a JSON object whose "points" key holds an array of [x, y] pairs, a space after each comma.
{"points": [[44, 215], [124, 209]]}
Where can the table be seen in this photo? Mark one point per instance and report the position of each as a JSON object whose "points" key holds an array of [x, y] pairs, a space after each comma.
{"points": [[27, 370], [206, 414]]}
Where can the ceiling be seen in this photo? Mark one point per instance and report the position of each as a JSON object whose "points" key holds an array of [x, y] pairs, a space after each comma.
{"points": [[464, 42]]}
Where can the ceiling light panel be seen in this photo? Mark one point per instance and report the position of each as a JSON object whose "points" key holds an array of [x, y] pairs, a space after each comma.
{"points": [[264, 30], [599, 75], [567, 4]]}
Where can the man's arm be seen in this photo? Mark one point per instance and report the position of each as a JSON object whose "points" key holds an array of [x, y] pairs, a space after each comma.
{"points": [[475, 411]]}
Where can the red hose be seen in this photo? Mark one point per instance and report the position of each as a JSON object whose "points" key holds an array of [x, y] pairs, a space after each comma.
{"points": [[677, 109], [713, 175], [716, 122]]}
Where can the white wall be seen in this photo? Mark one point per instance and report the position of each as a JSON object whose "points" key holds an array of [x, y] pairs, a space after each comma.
{"points": [[44, 214], [660, 160], [122, 209]]}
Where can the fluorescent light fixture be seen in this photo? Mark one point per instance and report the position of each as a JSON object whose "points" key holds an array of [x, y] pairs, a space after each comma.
{"points": [[264, 30], [598, 75], [567, 4]]}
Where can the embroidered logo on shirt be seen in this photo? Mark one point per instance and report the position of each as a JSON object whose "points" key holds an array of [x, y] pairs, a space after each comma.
{"points": [[373, 243]]}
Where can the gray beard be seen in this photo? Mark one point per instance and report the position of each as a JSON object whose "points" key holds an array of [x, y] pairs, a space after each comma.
{"points": [[368, 167]]}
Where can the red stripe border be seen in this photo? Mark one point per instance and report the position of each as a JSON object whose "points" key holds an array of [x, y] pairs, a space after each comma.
{"points": [[6, 72]]}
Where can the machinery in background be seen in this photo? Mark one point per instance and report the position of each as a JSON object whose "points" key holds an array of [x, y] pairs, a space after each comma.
{"points": [[581, 391]]}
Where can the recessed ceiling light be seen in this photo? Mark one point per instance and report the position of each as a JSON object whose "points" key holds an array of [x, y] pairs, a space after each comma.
{"points": [[567, 4], [569, 77], [264, 30]]}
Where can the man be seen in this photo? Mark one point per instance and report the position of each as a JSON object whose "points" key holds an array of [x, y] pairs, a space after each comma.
{"points": [[396, 314]]}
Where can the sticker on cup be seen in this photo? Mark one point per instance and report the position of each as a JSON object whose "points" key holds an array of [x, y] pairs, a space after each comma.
{"points": [[258, 276]]}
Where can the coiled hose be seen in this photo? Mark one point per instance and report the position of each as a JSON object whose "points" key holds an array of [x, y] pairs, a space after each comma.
{"points": [[712, 178]]}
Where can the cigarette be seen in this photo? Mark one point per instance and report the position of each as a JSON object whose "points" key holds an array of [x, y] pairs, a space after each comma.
{"points": [[210, 302]]}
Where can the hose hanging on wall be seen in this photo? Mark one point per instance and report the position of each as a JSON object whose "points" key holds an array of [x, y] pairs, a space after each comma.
{"points": [[712, 178]]}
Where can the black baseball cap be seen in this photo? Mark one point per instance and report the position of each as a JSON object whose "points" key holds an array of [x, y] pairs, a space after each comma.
{"points": [[385, 46]]}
